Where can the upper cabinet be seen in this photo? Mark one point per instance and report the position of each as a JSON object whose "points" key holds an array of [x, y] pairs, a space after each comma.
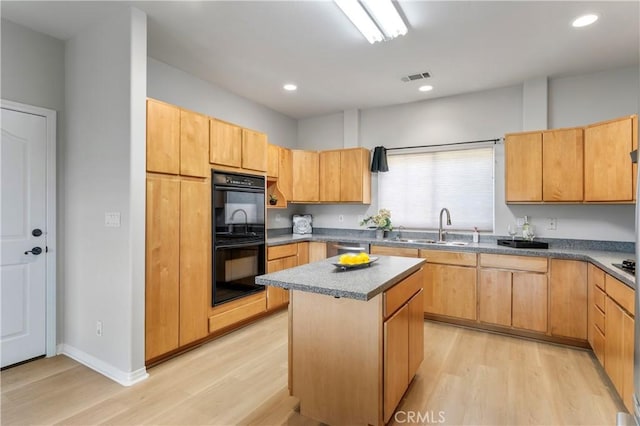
{"points": [[225, 144], [345, 176], [233, 146], [523, 167], [254, 150], [306, 166], [574, 165], [177, 140], [355, 176], [608, 171]]}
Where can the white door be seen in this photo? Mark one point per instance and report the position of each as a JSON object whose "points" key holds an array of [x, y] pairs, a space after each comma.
{"points": [[23, 222]]}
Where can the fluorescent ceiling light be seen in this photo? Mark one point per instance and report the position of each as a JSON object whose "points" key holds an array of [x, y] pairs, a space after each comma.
{"points": [[585, 20], [290, 87], [387, 17], [425, 88], [387, 25]]}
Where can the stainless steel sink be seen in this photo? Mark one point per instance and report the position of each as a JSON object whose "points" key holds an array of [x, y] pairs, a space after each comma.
{"points": [[439, 243]]}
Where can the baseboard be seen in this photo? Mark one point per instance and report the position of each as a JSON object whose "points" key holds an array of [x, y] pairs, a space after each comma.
{"points": [[122, 377]]}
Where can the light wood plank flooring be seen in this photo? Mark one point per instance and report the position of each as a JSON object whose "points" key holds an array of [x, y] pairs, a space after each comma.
{"points": [[472, 377]]}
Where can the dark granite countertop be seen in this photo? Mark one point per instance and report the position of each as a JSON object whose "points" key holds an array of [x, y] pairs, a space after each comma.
{"points": [[360, 284], [600, 258]]}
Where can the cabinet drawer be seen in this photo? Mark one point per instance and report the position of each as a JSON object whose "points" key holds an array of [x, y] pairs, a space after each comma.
{"points": [[519, 263], [236, 315], [398, 295], [598, 344], [598, 319], [596, 276], [276, 252], [449, 257], [620, 293], [394, 251], [599, 298]]}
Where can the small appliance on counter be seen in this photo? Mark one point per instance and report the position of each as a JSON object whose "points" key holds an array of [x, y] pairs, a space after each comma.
{"points": [[302, 224], [627, 265]]}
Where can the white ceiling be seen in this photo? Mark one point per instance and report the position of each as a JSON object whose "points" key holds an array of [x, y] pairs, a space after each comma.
{"points": [[253, 47]]}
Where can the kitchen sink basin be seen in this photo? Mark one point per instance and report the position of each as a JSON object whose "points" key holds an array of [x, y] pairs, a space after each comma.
{"points": [[439, 243]]}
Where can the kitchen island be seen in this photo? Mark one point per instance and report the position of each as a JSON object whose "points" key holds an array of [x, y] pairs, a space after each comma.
{"points": [[356, 337]]}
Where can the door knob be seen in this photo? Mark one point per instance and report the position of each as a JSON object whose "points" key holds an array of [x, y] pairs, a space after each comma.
{"points": [[36, 232], [36, 251]]}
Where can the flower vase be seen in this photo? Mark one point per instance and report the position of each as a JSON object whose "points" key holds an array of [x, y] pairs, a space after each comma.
{"points": [[380, 234]]}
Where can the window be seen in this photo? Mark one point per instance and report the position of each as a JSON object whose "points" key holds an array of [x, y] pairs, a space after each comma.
{"points": [[418, 185]]}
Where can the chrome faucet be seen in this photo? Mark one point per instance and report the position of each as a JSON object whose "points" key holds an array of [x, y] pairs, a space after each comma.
{"points": [[441, 232], [246, 225]]}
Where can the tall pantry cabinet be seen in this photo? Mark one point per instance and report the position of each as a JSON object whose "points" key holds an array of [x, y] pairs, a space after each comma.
{"points": [[177, 218]]}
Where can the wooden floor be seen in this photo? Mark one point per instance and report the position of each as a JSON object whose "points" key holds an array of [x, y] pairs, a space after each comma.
{"points": [[467, 378]]}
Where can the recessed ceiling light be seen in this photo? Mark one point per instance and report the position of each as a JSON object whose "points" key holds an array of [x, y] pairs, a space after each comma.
{"points": [[290, 87], [425, 88], [584, 20]]}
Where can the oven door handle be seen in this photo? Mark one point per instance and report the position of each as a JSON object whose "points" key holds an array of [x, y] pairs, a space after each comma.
{"points": [[238, 245], [237, 189]]}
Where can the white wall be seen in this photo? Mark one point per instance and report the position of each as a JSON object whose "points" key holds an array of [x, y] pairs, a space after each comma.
{"points": [[324, 132], [104, 172], [33, 74], [169, 84], [573, 101]]}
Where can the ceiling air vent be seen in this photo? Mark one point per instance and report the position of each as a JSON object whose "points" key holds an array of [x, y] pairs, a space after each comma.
{"points": [[413, 77]]}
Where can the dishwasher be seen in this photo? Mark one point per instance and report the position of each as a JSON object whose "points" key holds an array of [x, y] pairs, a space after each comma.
{"points": [[335, 248]]}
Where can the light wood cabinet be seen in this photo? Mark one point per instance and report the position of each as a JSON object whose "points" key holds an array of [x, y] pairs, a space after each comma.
{"points": [[233, 146], [355, 176], [177, 140], [162, 290], [177, 263], [568, 299], [396, 359], [330, 176], [608, 171], [619, 337], [254, 150], [317, 251], [576, 165], [394, 251], [280, 258], [163, 137], [416, 333], [595, 311], [306, 186], [562, 165], [529, 301], [450, 289], [285, 173], [225, 143], [514, 297], [194, 259], [495, 294], [523, 167], [273, 160]]}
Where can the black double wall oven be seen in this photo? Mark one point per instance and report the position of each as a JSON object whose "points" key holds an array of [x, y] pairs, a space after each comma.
{"points": [[238, 235]]}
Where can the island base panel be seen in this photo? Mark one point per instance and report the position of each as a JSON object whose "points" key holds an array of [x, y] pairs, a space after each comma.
{"points": [[336, 358]]}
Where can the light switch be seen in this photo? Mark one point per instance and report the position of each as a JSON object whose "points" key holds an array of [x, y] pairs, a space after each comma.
{"points": [[112, 220]]}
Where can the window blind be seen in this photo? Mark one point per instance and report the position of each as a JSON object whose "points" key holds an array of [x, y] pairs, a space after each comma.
{"points": [[418, 185]]}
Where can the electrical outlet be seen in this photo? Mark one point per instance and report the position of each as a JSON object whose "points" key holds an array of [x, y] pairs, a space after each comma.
{"points": [[552, 223], [519, 221], [112, 220], [340, 218], [99, 328], [278, 217]]}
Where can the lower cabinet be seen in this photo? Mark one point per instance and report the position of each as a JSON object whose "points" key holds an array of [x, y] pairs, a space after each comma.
{"points": [[619, 338], [403, 351], [513, 298], [279, 258], [568, 300], [450, 283]]}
